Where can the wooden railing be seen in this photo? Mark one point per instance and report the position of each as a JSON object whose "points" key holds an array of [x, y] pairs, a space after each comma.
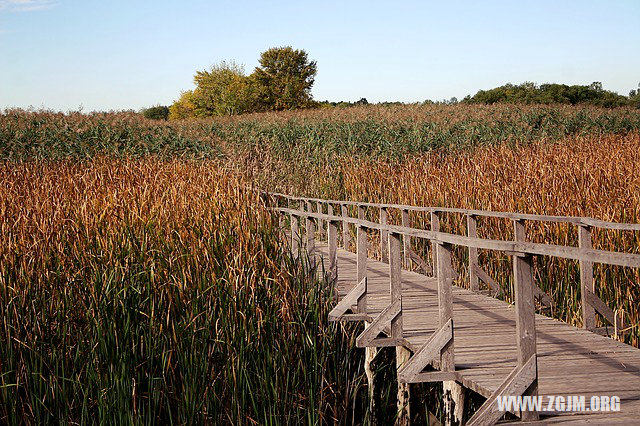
{"points": [[396, 249]]}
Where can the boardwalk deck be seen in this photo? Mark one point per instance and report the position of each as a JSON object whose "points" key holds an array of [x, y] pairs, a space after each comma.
{"points": [[470, 339], [571, 361]]}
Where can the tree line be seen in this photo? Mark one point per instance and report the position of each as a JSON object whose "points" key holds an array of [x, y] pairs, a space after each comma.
{"points": [[284, 78], [552, 93]]}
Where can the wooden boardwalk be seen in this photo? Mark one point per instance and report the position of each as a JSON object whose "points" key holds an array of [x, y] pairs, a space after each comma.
{"points": [[462, 337], [571, 361]]}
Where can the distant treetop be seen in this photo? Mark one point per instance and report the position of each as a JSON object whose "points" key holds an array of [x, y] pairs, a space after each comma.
{"points": [[531, 93], [282, 81]]}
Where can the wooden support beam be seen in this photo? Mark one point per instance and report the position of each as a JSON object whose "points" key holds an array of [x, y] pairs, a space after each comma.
{"points": [[296, 238], [421, 263], [395, 280], [362, 248], [361, 215], [436, 376], [369, 355], [586, 279], [453, 394], [384, 236], [525, 313], [445, 275], [403, 416], [310, 226], [430, 351], [339, 312], [332, 236], [406, 239], [346, 236], [435, 227], [517, 382], [321, 228], [599, 306], [486, 278], [474, 284], [378, 325], [329, 210]]}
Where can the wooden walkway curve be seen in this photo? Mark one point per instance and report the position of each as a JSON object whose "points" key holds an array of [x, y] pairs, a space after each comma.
{"points": [[461, 336]]}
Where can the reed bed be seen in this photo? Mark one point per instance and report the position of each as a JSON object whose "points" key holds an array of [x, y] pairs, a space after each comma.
{"points": [[140, 283], [158, 291], [594, 176]]}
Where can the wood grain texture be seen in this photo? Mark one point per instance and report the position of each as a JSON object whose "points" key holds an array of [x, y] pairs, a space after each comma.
{"points": [[586, 279], [571, 361], [525, 313], [474, 284], [384, 236], [493, 339]]}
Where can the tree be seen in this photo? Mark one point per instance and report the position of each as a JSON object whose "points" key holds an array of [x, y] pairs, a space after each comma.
{"points": [[530, 93], [223, 90], [158, 112], [183, 107], [284, 79]]}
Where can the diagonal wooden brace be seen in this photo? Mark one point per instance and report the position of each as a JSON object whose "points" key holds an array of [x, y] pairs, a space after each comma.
{"points": [[369, 337], [429, 352], [600, 306], [516, 383], [420, 262], [339, 312], [486, 278]]}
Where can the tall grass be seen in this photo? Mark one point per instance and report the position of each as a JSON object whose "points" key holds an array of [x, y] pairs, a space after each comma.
{"points": [[590, 176], [148, 291], [309, 137], [140, 284]]}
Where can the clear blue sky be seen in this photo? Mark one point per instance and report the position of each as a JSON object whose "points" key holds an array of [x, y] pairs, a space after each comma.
{"points": [[103, 55]]}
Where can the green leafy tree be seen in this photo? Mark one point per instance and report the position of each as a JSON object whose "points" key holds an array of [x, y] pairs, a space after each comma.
{"points": [[184, 107], [158, 112], [223, 90], [530, 93], [284, 79]]}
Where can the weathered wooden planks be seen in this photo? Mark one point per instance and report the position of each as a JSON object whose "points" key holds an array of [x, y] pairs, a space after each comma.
{"points": [[570, 361]]}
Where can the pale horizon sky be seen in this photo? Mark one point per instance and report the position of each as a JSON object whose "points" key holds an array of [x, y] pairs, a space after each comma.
{"points": [[67, 54]]}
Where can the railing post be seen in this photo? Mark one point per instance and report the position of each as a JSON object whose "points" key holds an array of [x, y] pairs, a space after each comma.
{"points": [[296, 239], [329, 213], [403, 355], [395, 279], [360, 212], [311, 236], [525, 312], [474, 284], [406, 223], [361, 252], [435, 227], [453, 392], [369, 352], [384, 236], [321, 228], [333, 252], [346, 237], [586, 279]]}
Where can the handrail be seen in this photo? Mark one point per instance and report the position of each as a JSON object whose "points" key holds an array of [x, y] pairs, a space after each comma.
{"points": [[395, 241], [576, 220], [439, 349], [566, 252]]}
